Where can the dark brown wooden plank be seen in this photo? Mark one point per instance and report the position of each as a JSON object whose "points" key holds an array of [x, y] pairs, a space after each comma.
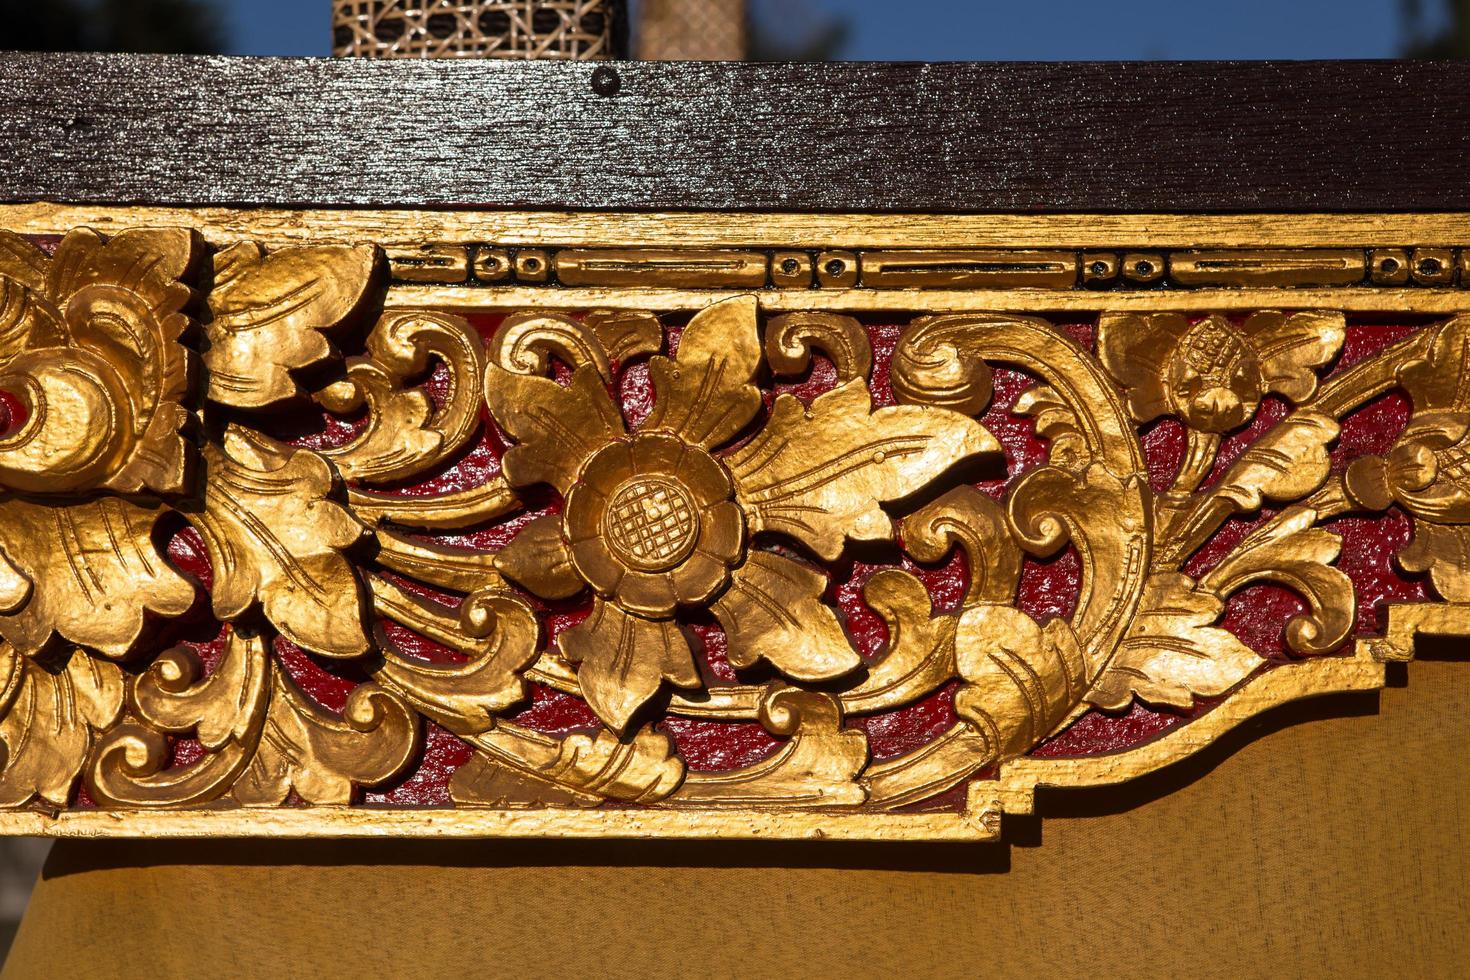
{"points": [[895, 137]]}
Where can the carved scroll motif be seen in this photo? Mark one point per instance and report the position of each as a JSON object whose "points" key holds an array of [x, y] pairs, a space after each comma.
{"points": [[152, 399]]}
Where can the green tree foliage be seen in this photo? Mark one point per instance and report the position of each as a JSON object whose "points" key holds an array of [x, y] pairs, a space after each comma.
{"points": [[143, 26], [1445, 37]]}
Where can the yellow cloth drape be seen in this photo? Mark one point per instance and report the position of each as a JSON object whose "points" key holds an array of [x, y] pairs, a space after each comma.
{"points": [[1332, 847]]}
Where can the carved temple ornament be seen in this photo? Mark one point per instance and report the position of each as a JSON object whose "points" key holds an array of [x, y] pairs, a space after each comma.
{"points": [[354, 523]]}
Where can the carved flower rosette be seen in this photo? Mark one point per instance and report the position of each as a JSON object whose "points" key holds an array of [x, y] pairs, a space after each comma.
{"points": [[267, 542]]}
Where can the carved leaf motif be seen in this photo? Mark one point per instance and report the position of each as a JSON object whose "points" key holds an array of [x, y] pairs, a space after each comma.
{"points": [[131, 766], [557, 429], [966, 518], [820, 475], [706, 395], [95, 571], [52, 722], [270, 313], [494, 628], [1289, 550], [90, 341], [1021, 679], [405, 432], [626, 334], [322, 756], [1173, 653], [1444, 552], [818, 765], [920, 657], [791, 338], [275, 537], [1057, 422], [1135, 349], [485, 782], [1287, 463], [938, 363], [1291, 346], [624, 660], [1437, 382], [639, 768], [1107, 519], [774, 610]]}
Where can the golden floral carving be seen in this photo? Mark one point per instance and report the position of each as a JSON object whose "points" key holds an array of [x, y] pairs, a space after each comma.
{"points": [[1213, 373], [268, 315], [93, 570], [714, 511], [51, 723], [275, 537], [655, 522]]}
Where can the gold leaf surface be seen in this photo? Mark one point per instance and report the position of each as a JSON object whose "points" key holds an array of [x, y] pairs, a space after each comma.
{"points": [[269, 315], [275, 537], [95, 570], [820, 474], [1173, 652]]}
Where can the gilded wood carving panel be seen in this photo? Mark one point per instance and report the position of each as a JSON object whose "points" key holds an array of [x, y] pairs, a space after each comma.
{"points": [[429, 524]]}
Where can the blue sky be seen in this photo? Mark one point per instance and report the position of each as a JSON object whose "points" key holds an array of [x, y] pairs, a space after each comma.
{"points": [[987, 30]]}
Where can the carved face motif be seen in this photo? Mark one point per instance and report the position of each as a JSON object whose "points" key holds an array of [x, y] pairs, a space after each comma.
{"points": [[1213, 373], [1214, 377]]}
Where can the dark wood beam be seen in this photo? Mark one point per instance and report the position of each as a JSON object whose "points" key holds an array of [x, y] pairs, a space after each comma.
{"points": [[1327, 136]]}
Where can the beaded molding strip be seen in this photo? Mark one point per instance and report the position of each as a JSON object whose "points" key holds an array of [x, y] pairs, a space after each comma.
{"points": [[294, 542]]}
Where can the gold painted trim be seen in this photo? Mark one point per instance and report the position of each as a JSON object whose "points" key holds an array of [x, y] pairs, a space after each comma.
{"points": [[392, 228], [468, 824], [1348, 299], [761, 293]]}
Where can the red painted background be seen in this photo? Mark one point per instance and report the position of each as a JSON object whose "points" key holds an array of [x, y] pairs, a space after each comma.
{"points": [[1258, 615]]}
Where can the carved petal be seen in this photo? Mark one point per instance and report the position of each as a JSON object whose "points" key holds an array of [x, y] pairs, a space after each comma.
{"points": [[269, 313], [557, 428], [539, 559], [706, 396], [95, 573], [774, 609], [1173, 653], [275, 537], [1291, 347], [48, 731], [1437, 382], [820, 475], [322, 756], [1134, 347], [625, 659], [23, 262], [146, 261]]}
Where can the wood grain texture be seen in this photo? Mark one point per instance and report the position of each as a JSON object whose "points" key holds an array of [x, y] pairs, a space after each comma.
{"points": [[1383, 136]]}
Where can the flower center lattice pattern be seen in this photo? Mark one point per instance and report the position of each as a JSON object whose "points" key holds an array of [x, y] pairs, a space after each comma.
{"points": [[651, 523], [1213, 351]]}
